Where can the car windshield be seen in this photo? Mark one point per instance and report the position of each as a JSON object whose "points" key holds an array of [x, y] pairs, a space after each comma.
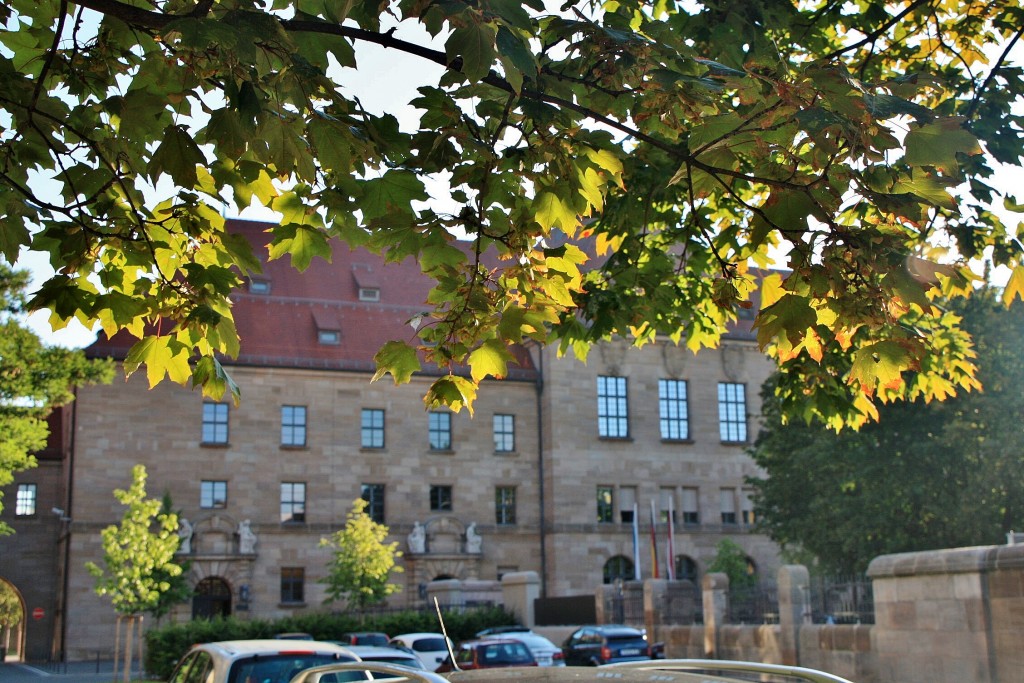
{"points": [[281, 668], [429, 645], [378, 639]]}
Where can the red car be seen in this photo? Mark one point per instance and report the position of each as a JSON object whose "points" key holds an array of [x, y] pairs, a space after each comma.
{"points": [[491, 653]]}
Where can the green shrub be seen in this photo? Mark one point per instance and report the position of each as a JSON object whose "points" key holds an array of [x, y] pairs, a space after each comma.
{"points": [[165, 646]]}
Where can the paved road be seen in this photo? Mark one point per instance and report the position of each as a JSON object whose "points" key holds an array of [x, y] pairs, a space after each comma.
{"points": [[75, 672]]}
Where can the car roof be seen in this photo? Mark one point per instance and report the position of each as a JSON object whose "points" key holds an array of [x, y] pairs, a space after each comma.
{"points": [[271, 645], [417, 636], [377, 651], [617, 629]]}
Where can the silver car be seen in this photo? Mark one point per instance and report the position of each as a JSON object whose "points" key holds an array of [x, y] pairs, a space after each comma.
{"points": [[259, 661]]}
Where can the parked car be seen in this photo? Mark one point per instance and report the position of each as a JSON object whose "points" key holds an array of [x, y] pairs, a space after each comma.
{"points": [[389, 655], [431, 648], [365, 638], [607, 644], [259, 661], [489, 653], [543, 650], [293, 636]]}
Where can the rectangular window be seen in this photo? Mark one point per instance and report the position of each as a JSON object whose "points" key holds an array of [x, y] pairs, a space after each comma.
{"points": [[673, 410], [293, 502], [373, 494], [213, 494], [612, 408], [372, 428], [667, 504], [293, 585], [627, 503], [732, 412], [605, 505], [440, 498], [504, 433], [293, 425], [25, 503], [690, 507], [747, 506], [369, 294], [728, 505], [215, 422], [259, 286], [505, 505], [440, 431]]}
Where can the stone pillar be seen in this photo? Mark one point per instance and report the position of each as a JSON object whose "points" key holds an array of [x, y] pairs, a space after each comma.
{"points": [[518, 591], [655, 594], [601, 602], [448, 593], [794, 610], [715, 587]]}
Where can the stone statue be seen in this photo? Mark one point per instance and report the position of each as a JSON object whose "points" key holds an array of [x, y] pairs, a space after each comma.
{"points": [[184, 536], [246, 538], [473, 540], [417, 539]]}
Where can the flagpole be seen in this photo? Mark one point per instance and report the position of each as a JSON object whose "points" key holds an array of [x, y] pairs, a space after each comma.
{"points": [[670, 561], [654, 544], [636, 543]]}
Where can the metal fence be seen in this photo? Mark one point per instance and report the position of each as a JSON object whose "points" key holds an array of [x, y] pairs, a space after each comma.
{"points": [[842, 600], [683, 604], [625, 607], [756, 604]]}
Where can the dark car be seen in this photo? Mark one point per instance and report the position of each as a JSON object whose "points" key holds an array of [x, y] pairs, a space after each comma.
{"points": [[492, 653], [609, 644]]}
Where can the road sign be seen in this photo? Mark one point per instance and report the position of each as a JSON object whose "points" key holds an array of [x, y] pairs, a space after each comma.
{"points": [[38, 613]]}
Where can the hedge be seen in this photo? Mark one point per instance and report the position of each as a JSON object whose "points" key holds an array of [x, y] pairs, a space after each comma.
{"points": [[165, 646]]}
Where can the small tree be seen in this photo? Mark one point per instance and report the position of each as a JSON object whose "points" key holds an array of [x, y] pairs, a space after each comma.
{"points": [[179, 588], [138, 556], [10, 614], [362, 562], [732, 561]]}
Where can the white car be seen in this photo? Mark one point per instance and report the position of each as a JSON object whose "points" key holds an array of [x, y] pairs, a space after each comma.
{"points": [[431, 648], [388, 655], [259, 661], [543, 650]]}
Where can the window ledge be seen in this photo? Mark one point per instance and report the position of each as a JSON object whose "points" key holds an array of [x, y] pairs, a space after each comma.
{"points": [[215, 444], [507, 454], [442, 451], [291, 447], [291, 605], [679, 441], [627, 439], [735, 443], [372, 449]]}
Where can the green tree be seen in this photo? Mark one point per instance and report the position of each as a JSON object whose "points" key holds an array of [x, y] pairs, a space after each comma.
{"points": [[138, 554], [734, 563], [34, 379], [11, 613], [926, 476], [179, 586], [626, 164], [362, 563]]}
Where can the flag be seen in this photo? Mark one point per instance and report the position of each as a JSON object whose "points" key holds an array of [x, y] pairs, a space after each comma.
{"points": [[636, 544], [670, 561], [654, 544]]}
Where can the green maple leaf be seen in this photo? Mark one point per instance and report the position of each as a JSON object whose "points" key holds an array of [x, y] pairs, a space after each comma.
{"points": [[394, 191], [452, 391], [1014, 286], [937, 144], [475, 44], [397, 358], [177, 156], [161, 356], [491, 358], [791, 315], [215, 380], [551, 211], [302, 242], [879, 365]]}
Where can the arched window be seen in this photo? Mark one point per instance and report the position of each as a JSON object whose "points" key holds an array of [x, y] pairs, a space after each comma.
{"points": [[618, 567], [686, 568], [212, 599]]}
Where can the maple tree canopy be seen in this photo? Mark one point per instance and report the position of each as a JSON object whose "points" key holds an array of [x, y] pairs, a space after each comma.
{"points": [[631, 165]]}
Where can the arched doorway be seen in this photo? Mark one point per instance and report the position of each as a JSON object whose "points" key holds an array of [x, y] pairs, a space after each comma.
{"points": [[686, 569], [212, 599], [12, 622], [618, 567]]}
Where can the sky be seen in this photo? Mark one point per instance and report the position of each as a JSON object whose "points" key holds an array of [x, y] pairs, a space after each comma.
{"points": [[401, 74]]}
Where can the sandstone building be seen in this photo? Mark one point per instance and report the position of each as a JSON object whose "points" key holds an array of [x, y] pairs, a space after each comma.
{"points": [[544, 477]]}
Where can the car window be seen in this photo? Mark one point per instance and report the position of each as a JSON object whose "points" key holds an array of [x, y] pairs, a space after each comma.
{"points": [[278, 668], [505, 653], [429, 645], [202, 669], [181, 671]]}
